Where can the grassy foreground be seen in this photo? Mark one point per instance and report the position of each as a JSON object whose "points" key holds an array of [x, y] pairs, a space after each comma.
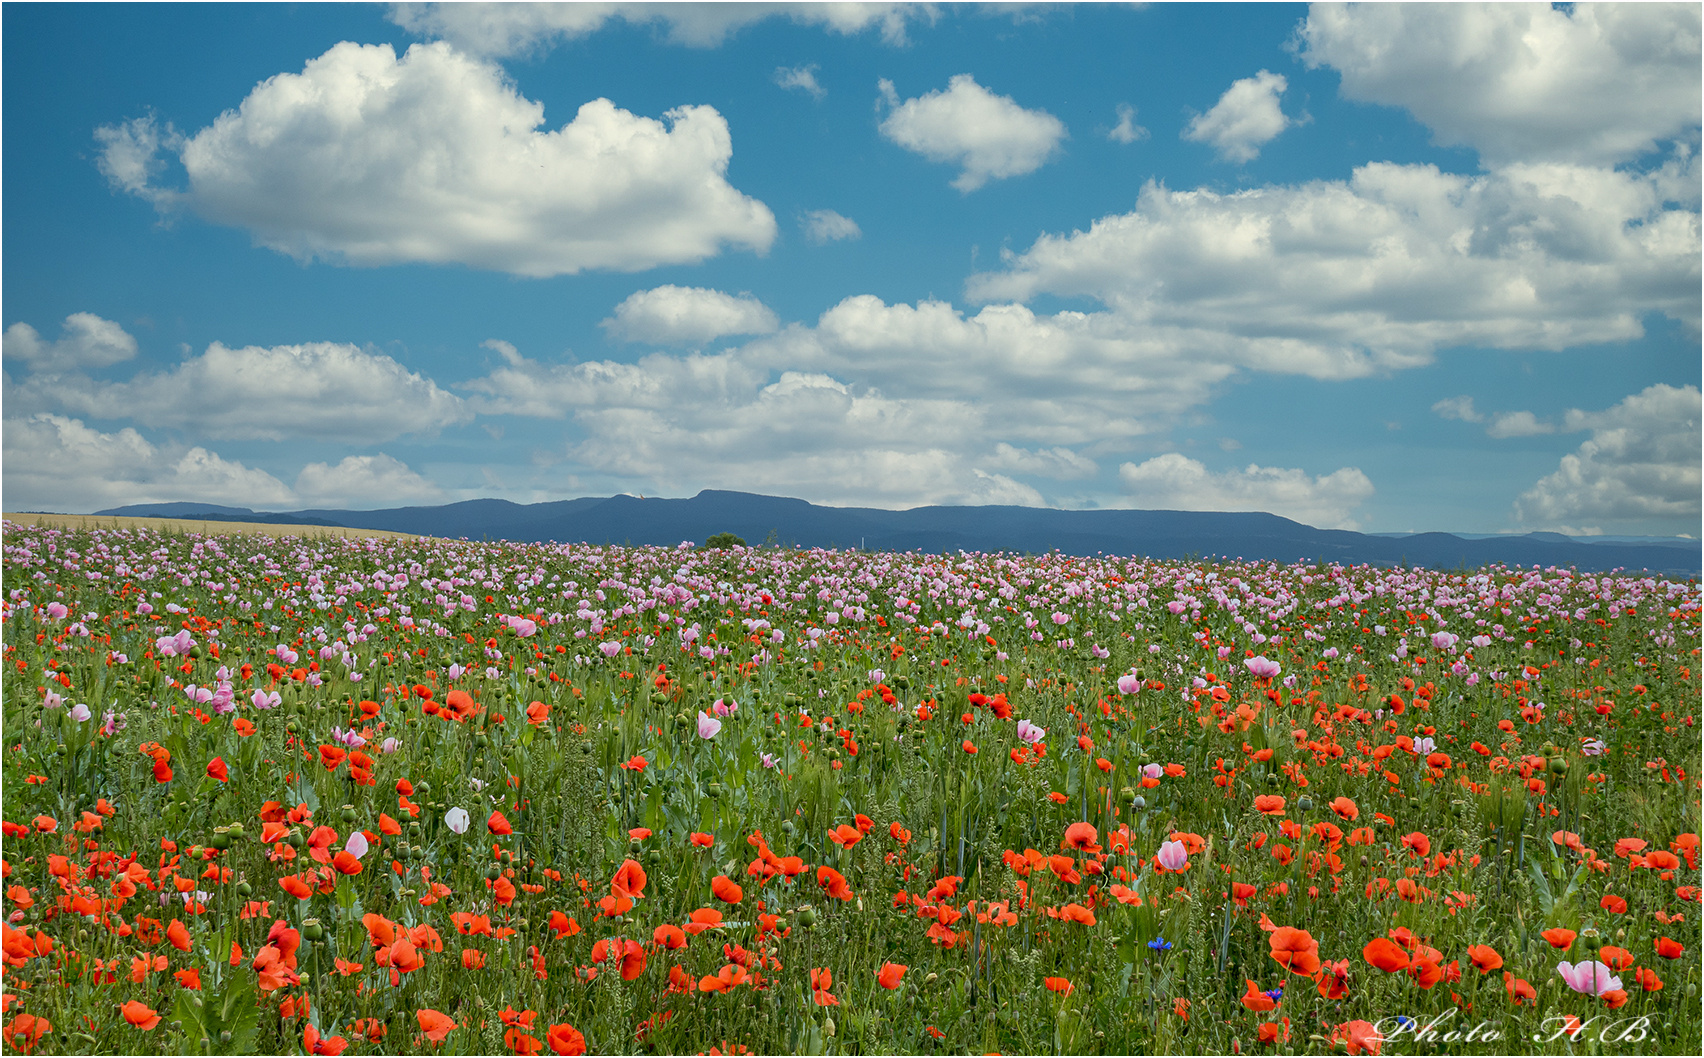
{"points": [[269, 794]]}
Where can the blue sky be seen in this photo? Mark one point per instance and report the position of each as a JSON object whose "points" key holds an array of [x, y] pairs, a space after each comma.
{"points": [[1389, 268]]}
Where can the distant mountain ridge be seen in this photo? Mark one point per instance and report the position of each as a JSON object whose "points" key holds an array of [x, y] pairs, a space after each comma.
{"points": [[1157, 534]]}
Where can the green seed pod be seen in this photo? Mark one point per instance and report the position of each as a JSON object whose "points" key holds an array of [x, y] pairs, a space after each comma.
{"points": [[807, 917]]}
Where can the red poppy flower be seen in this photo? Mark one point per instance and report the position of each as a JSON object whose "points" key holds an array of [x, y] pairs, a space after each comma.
{"points": [[1383, 953], [724, 888], [1256, 1000], [565, 1039], [435, 1025], [313, 1043], [141, 1015], [833, 883]]}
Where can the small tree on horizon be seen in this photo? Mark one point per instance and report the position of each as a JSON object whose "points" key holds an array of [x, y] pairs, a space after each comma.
{"points": [[722, 541]]}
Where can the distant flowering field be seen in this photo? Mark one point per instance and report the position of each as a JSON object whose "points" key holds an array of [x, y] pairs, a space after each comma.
{"points": [[394, 796]]}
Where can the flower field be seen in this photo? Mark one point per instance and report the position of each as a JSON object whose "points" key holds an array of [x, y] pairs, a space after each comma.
{"points": [[397, 795]]}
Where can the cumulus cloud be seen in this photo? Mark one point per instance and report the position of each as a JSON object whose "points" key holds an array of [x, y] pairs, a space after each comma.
{"points": [[1176, 482], [989, 136], [1126, 131], [503, 29], [367, 159], [1246, 117], [992, 407], [824, 226], [680, 423], [802, 78], [86, 342], [1337, 279], [59, 463], [1637, 473], [671, 315], [320, 390], [1060, 463], [1517, 424], [1595, 84], [1458, 408], [364, 481]]}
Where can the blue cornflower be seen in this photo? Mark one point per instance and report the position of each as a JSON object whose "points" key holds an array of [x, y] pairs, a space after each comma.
{"points": [[1274, 994], [1160, 944]]}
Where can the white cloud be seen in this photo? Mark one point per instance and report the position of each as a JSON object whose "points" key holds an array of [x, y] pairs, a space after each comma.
{"points": [[319, 390], [990, 136], [364, 481], [671, 315], [1246, 117], [1517, 424], [1459, 408], [1176, 482], [1597, 84], [824, 226], [892, 405], [86, 342], [130, 160], [802, 78], [367, 159], [1339, 279], [1637, 473], [58, 463], [1060, 463], [502, 29], [1126, 131]]}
